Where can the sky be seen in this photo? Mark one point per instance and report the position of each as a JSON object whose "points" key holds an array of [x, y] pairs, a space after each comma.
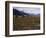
{"points": [[28, 10]]}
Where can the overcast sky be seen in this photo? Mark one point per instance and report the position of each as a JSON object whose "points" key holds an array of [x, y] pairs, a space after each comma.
{"points": [[28, 10]]}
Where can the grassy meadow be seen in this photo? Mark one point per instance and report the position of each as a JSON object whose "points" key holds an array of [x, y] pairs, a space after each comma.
{"points": [[26, 22]]}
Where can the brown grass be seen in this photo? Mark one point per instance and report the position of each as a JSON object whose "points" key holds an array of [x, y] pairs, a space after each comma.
{"points": [[26, 22]]}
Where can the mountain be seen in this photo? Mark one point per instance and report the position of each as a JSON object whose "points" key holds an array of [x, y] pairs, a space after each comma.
{"points": [[17, 12]]}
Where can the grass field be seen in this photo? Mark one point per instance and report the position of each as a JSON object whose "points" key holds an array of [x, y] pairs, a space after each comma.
{"points": [[26, 22]]}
